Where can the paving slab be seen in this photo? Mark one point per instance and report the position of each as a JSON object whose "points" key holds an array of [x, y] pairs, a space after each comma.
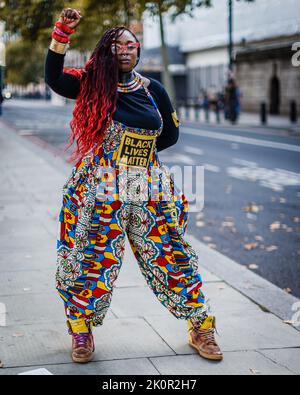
{"points": [[234, 363], [43, 343], [29, 281], [28, 259], [287, 357], [252, 330], [137, 366]]}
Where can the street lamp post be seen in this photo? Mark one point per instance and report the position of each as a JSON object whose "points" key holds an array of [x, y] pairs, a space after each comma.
{"points": [[230, 30], [2, 57]]}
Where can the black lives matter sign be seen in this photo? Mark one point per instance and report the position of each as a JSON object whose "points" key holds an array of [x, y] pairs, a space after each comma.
{"points": [[135, 149]]}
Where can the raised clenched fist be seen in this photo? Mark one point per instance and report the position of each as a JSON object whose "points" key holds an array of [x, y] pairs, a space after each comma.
{"points": [[70, 17]]}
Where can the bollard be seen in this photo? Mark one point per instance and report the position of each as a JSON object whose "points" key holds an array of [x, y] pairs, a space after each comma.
{"points": [[186, 110], [197, 111], [206, 110], [217, 109], [293, 111], [263, 113]]}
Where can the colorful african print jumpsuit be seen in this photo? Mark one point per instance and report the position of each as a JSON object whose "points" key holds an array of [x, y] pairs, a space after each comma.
{"points": [[95, 218]]}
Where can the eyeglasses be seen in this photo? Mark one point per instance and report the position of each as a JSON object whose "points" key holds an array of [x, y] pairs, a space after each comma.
{"points": [[130, 47]]}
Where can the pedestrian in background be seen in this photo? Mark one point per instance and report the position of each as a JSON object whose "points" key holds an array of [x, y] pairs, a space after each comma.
{"points": [[1, 101], [232, 101]]}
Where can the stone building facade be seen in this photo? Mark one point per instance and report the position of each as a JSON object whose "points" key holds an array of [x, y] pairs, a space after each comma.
{"points": [[265, 73]]}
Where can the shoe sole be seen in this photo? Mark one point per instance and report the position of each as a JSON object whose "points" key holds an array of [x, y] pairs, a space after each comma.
{"points": [[82, 360], [207, 356]]}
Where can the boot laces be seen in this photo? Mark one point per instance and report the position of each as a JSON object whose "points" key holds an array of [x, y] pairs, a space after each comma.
{"points": [[81, 339], [208, 334]]}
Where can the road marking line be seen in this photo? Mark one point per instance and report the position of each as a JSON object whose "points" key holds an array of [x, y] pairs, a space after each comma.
{"points": [[275, 179], [244, 162], [177, 158], [193, 150], [213, 168], [242, 140]]}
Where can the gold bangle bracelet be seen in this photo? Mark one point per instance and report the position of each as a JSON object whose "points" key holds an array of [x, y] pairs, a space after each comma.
{"points": [[58, 47]]}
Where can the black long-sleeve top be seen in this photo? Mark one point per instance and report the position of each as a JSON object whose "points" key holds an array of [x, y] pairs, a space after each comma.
{"points": [[133, 108]]}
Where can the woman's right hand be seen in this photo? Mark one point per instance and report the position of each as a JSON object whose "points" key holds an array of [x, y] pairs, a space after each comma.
{"points": [[70, 17]]}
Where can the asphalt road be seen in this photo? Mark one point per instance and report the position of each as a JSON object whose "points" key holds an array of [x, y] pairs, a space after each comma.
{"points": [[251, 186]]}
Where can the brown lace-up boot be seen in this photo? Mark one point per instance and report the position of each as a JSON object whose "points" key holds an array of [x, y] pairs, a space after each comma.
{"points": [[83, 346], [202, 338]]}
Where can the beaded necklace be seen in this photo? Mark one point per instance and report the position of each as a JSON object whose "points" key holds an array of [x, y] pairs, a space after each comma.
{"points": [[130, 86]]}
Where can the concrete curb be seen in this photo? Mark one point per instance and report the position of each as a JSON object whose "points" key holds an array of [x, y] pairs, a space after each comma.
{"points": [[290, 130], [265, 294]]}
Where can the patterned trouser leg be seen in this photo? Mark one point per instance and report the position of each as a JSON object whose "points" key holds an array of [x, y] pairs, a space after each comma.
{"points": [[167, 260], [87, 288]]}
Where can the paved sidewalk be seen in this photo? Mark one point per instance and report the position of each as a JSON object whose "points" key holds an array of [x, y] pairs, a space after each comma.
{"points": [[279, 125], [139, 335]]}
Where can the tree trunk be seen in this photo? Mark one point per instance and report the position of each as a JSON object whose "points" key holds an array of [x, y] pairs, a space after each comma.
{"points": [[126, 13], [168, 81]]}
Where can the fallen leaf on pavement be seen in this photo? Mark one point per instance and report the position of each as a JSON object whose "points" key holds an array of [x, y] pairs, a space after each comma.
{"points": [[288, 322], [252, 208], [288, 290], [271, 248], [254, 371], [259, 238], [1, 365], [275, 225], [211, 245], [253, 266], [250, 246], [228, 224], [18, 334]]}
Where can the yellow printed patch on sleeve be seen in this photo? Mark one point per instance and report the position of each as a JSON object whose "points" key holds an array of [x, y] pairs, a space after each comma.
{"points": [[175, 119]]}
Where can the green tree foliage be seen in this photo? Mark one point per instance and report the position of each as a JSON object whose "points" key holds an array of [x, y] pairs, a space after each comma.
{"points": [[33, 21], [24, 62], [28, 17]]}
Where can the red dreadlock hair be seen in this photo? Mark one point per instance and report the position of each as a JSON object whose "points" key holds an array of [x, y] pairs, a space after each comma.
{"points": [[96, 102]]}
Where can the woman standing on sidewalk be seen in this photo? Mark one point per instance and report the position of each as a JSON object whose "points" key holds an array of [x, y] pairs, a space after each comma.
{"points": [[120, 121]]}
